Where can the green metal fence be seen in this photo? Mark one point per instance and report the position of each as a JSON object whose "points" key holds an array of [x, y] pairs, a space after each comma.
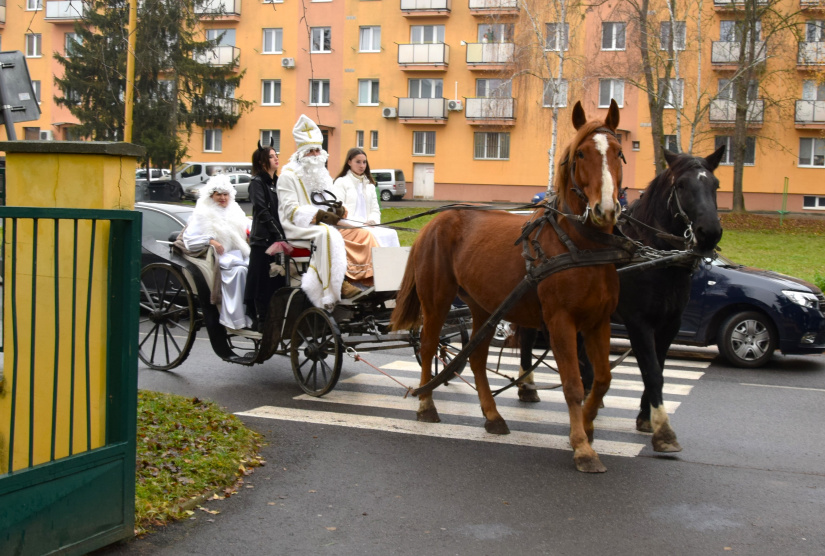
{"points": [[68, 385]]}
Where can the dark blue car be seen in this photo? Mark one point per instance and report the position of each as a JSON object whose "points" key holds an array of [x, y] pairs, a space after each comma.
{"points": [[539, 197]]}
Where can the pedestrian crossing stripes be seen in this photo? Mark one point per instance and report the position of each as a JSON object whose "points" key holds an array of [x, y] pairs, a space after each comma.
{"points": [[542, 425]]}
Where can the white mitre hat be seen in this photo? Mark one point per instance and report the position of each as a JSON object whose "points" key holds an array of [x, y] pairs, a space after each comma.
{"points": [[307, 135]]}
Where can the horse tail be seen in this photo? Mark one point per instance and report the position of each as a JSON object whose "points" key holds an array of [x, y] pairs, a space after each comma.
{"points": [[407, 312]]}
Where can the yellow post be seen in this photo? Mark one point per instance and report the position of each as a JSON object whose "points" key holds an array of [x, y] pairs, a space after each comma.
{"points": [[130, 71]]}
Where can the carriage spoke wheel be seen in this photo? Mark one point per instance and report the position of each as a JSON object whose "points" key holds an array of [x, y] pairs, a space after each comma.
{"points": [[316, 352], [454, 336], [167, 326]]}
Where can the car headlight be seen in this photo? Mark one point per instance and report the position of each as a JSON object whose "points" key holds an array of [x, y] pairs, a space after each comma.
{"points": [[806, 299]]}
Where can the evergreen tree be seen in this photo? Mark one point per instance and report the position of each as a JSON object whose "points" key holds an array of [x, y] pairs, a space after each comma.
{"points": [[176, 87]]}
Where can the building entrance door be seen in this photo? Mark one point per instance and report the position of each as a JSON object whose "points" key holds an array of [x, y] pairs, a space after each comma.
{"points": [[423, 181]]}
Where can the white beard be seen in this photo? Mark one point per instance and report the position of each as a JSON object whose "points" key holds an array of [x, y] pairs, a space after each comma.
{"points": [[313, 173]]}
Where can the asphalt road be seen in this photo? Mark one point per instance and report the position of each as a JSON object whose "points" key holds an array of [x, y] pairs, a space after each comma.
{"points": [[353, 473]]}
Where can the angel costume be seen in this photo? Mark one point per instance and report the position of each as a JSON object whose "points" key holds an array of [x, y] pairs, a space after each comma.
{"points": [[358, 195], [228, 226]]}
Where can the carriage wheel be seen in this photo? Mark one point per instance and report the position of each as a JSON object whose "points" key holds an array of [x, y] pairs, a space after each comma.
{"points": [[316, 352], [167, 324], [454, 336]]}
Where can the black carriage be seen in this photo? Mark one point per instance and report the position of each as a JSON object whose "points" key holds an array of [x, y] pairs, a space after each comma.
{"points": [[175, 304]]}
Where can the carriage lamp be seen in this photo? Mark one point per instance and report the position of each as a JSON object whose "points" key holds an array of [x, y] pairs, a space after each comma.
{"points": [[806, 299], [808, 338]]}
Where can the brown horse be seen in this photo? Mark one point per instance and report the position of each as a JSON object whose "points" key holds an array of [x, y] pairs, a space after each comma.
{"points": [[472, 254]]}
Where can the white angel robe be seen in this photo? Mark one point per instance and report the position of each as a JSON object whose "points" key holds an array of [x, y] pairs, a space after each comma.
{"points": [[358, 195]]}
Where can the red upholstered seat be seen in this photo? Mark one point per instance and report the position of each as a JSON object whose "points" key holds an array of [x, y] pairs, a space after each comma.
{"points": [[300, 252]]}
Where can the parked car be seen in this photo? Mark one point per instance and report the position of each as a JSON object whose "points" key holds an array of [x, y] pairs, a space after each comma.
{"points": [[152, 174], [389, 184], [746, 312], [160, 222], [239, 180], [539, 197]]}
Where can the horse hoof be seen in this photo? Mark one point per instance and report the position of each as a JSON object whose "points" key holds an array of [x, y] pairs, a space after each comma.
{"points": [[429, 415], [529, 396], [664, 440], [496, 427], [589, 464], [643, 425]]}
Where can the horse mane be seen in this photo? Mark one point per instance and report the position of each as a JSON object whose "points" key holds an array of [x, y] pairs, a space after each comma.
{"points": [[562, 177]]}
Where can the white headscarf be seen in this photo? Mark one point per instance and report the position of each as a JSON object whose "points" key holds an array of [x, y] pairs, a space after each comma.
{"points": [[228, 226]]}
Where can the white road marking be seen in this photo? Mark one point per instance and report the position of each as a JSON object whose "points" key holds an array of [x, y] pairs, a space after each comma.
{"points": [[783, 387], [440, 430]]}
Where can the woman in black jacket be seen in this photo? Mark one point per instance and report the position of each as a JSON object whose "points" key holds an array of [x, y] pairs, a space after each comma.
{"points": [[266, 230]]}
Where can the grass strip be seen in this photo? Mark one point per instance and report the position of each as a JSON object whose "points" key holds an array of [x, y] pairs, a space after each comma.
{"points": [[186, 448]]}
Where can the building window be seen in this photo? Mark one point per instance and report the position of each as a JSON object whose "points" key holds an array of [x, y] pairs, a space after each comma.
{"points": [[727, 140], [555, 93], [359, 139], [319, 92], [679, 38], [271, 92], [551, 40], [731, 31], [321, 40], [368, 92], [32, 5], [812, 152], [275, 135], [813, 202], [671, 144], [492, 146], [426, 34], [71, 42], [494, 88], [424, 142], [34, 42], [273, 1], [495, 32], [613, 35], [374, 139], [674, 95], [36, 89], [273, 41], [370, 39], [211, 140], [221, 37], [611, 89], [815, 31], [426, 88], [813, 90], [727, 90]]}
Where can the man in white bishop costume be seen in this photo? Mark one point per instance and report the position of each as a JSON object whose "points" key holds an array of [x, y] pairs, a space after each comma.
{"points": [[304, 174]]}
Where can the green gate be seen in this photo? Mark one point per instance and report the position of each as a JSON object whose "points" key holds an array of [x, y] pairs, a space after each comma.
{"points": [[68, 383]]}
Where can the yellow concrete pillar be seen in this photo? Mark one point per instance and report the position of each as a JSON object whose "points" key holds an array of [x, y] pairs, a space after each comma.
{"points": [[58, 387]]}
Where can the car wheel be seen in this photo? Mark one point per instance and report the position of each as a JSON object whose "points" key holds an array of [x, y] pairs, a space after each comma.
{"points": [[747, 339], [386, 196]]}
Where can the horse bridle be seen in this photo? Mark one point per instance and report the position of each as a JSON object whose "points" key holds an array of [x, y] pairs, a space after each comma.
{"points": [[690, 238]]}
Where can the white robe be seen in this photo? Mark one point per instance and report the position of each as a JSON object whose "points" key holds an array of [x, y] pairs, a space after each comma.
{"points": [[322, 282], [358, 196], [233, 263]]}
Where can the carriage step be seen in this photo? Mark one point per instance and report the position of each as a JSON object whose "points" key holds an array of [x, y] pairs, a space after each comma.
{"points": [[245, 332], [363, 293]]}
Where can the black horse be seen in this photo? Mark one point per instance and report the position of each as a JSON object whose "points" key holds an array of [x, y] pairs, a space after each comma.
{"points": [[677, 211]]}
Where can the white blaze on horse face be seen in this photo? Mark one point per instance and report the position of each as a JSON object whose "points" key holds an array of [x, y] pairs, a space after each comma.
{"points": [[701, 174], [607, 179]]}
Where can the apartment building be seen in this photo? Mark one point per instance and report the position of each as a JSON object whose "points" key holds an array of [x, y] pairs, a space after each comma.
{"points": [[456, 93]]}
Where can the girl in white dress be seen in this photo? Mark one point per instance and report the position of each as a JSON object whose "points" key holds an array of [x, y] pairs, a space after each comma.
{"points": [[220, 222], [355, 188]]}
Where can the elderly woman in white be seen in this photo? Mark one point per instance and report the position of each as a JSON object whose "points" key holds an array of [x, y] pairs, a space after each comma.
{"points": [[218, 221], [355, 188]]}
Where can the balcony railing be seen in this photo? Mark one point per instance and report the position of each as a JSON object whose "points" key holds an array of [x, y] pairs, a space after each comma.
{"points": [[723, 111], [495, 53], [412, 6], [218, 7], [490, 109], [811, 53], [727, 52], [812, 4], [422, 108], [434, 54], [224, 55], [810, 112], [492, 6], [735, 4], [65, 9]]}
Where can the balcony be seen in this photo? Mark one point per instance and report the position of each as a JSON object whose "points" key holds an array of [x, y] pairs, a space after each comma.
{"points": [[2, 12], [810, 54], [494, 7], [812, 5], [734, 5], [226, 10], [64, 10], [490, 111], [424, 57], [725, 54], [723, 112], [211, 104], [224, 55], [422, 110], [425, 8], [810, 114], [489, 56]]}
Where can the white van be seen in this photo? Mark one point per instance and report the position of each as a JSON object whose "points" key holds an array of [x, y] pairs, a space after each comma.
{"points": [[390, 183], [194, 173]]}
